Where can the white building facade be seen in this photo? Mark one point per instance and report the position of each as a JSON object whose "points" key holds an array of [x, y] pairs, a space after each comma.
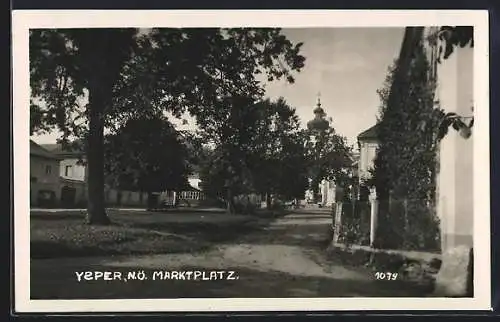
{"points": [[327, 189], [454, 91], [72, 169], [367, 144]]}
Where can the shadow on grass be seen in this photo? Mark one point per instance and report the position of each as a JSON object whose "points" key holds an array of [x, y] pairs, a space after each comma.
{"points": [[210, 232], [130, 246], [59, 235], [48, 249], [59, 216]]}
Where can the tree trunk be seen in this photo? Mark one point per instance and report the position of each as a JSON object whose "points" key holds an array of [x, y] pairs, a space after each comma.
{"points": [[96, 212], [230, 202], [268, 201], [152, 202]]}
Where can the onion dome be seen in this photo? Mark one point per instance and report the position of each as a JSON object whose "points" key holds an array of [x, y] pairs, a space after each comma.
{"points": [[319, 123]]}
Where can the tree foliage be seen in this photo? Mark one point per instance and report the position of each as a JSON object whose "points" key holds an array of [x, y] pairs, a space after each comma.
{"points": [[406, 159], [329, 158], [262, 153], [447, 39], [65, 65], [278, 161], [146, 155], [125, 74], [453, 37]]}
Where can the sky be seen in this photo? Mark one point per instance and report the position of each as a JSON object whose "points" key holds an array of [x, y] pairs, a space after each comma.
{"points": [[344, 66]]}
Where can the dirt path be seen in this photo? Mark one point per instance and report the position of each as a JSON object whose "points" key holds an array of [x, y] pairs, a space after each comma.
{"points": [[289, 245]]}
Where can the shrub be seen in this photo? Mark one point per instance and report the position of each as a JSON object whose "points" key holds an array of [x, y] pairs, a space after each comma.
{"points": [[245, 204], [408, 224], [355, 226]]}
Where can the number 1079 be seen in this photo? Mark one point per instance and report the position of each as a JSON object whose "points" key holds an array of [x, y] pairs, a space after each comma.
{"points": [[386, 276]]}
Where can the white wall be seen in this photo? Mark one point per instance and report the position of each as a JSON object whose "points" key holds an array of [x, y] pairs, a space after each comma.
{"points": [[194, 182], [368, 152], [77, 171], [43, 176], [327, 189], [455, 190]]}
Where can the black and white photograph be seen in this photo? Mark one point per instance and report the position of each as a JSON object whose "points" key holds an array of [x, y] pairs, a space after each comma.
{"points": [[251, 161]]}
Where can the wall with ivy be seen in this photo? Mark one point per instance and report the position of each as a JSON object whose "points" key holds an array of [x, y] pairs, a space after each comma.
{"points": [[406, 162]]}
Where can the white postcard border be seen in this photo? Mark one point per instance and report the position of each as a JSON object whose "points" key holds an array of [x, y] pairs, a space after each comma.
{"points": [[23, 20]]}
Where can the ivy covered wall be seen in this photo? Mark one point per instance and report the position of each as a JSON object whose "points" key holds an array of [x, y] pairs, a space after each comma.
{"points": [[406, 163]]}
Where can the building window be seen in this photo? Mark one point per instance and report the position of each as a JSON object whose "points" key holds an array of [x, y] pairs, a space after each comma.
{"points": [[48, 169], [34, 179], [68, 171]]}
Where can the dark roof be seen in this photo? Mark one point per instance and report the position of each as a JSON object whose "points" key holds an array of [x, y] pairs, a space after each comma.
{"points": [[39, 151], [51, 147], [57, 149], [194, 175], [371, 133]]}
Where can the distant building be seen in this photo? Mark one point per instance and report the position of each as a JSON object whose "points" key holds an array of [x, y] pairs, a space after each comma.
{"points": [[367, 144], [192, 193], [194, 181], [44, 177], [326, 188], [328, 191], [72, 166], [73, 173]]}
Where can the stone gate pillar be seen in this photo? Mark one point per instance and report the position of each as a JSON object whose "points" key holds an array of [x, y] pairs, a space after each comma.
{"points": [[373, 215]]}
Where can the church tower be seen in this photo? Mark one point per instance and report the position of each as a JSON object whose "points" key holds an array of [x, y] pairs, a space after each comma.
{"points": [[319, 123]]}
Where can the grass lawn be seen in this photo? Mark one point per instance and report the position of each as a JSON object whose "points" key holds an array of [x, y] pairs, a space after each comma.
{"points": [[65, 234]]}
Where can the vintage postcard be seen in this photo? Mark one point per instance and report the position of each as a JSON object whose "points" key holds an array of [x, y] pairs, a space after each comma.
{"points": [[230, 161]]}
